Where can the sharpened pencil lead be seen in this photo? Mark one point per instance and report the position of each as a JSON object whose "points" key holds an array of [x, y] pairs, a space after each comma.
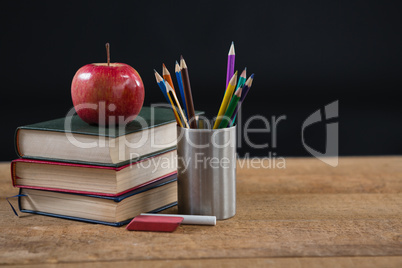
{"points": [[158, 77], [183, 64], [238, 92], [250, 83], [177, 67], [165, 71], [234, 78], [243, 74], [232, 49]]}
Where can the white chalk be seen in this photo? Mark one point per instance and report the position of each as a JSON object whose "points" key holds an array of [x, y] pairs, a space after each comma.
{"points": [[190, 219]]}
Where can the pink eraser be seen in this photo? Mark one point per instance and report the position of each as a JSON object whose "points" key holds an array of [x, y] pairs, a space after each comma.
{"points": [[154, 223]]}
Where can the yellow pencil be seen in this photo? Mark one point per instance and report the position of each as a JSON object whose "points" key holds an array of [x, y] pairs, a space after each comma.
{"points": [[170, 92], [226, 100]]}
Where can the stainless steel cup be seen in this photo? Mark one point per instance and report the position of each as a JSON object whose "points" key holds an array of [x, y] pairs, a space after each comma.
{"points": [[207, 171]]}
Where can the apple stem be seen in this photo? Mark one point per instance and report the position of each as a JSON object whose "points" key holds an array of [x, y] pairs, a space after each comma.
{"points": [[108, 53]]}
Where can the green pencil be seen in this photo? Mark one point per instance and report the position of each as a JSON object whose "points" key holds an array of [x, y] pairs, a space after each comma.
{"points": [[232, 106]]}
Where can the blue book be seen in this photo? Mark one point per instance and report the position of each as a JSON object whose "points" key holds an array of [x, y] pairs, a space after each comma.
{"points": [[108, 210]]}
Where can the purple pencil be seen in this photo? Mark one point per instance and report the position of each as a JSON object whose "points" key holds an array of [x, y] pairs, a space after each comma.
{"points": [[231, 64], [245, 90]]}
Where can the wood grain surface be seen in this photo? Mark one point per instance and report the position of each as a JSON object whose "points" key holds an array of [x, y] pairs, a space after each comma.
{"points": [[308, 214]]}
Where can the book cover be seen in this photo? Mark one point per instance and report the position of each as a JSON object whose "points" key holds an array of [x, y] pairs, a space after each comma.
{"points": [[75, 162], [147, 118]]}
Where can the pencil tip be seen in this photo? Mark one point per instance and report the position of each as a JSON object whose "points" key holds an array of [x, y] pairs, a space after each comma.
{"points": [[232, 50], [238, 92], [233, 79], [181, 57], [165, 71], [250, 80], [243, 74], [157, 76], [183, 64], [177, 67]]}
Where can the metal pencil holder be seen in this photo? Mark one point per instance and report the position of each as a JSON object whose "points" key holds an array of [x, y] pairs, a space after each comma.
{"points": [[207, 171]]}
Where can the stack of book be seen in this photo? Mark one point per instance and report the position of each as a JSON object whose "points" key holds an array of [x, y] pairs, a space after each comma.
{"points": [[69, 169]]}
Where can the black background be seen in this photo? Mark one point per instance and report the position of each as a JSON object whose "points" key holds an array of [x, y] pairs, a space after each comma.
{"points": [[305, 54]]}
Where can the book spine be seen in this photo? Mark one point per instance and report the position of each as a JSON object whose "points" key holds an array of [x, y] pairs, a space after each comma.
{"points": [[16, 143], [13, 176]]}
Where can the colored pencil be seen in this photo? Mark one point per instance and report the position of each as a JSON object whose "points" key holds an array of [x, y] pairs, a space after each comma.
{"points": [[242, 79], [231, 64], [175, 102], [181, 90], [226, 99], [166, 76], [187, 93], [232, 106], [246, 89], [162, 86]]}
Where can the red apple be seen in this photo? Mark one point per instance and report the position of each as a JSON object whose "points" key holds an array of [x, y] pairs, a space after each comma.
{"points": [[107, 93]]}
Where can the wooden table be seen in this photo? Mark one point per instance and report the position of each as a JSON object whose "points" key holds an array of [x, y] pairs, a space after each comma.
{"points": [[306, 215]]}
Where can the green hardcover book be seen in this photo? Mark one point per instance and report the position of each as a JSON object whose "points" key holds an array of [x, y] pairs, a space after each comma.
{"points": [[71, 139]]}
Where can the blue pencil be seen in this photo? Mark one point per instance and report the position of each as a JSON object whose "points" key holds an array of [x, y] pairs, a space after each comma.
{"points": [[180, 83], [161, 84]]}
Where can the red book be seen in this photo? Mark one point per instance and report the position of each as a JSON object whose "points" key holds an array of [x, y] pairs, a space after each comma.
{"points": [[91, 178]]}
